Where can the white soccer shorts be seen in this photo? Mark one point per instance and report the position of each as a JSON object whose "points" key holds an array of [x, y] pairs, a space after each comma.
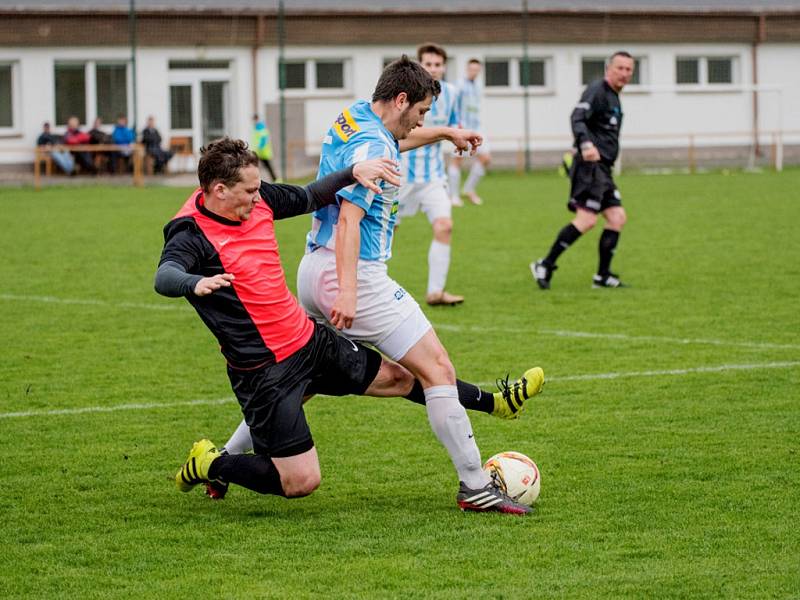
{"points": [[431, 198], [387, 317]]}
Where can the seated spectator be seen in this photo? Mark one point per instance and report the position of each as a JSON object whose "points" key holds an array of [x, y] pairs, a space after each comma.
{"points": [[75, 137], [152, 146], [62, 158], [98, 136], [123, 136]]}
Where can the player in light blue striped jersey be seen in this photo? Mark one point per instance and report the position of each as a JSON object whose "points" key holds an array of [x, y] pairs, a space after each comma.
{"points": [[425, 186], [470, 95]]}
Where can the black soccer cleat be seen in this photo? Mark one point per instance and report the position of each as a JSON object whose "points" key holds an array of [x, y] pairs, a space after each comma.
{"points": [[609, 280], [542, 272], [489, 499]]}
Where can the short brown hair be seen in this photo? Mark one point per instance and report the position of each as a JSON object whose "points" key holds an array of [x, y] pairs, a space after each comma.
{"points": [[405, 75], [223, 160], [431, 48]]}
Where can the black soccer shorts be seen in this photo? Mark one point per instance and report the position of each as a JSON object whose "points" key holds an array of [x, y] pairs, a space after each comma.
{"points": [[592, 187], [271, 397]]}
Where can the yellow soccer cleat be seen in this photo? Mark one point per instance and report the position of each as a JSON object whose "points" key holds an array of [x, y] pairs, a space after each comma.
{"points": [[509, 401], [195, 469]]}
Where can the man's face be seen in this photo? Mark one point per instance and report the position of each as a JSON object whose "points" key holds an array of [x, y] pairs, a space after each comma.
{"points": [[412, 117], [242, 197], [619, 72], [72, 123], [473, 70], [433, 64]]}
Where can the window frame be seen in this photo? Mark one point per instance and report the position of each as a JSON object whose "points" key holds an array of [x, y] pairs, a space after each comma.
{"points": [[15, 129], [643, 71], [90, 91], [515, 86], [702, 72], [311, 87]]}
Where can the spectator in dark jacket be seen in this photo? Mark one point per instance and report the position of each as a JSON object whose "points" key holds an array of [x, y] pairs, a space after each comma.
{"points": [[62, 158], [152, 146]]}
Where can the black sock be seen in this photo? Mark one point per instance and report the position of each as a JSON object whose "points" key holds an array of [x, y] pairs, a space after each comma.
{"points": [[566, 237], [252, 471], [608, 243], [470, 396]]}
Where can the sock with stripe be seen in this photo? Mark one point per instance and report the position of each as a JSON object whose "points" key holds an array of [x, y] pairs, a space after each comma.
{"points": [[566, 237], [252, 471], [454, 178], [451, 425], [470, 396], [475, 173], [438, 266], [607, 246]]}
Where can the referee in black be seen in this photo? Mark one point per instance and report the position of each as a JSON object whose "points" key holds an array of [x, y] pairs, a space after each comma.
{"points": [[596, 123]]}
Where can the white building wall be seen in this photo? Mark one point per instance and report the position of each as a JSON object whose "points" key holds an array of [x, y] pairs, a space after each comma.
{"points": [[657, 114]]}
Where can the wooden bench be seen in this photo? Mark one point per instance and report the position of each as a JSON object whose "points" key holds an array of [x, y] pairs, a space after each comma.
{"points": [[42, 154]]}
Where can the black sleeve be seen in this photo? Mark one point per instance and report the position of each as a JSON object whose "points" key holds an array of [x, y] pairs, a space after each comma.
{"points": [[172, 280], [582, 113], [292, 200]]}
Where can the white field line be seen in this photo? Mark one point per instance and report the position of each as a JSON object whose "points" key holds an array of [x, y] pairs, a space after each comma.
{"points": [[176, 305], [587, 377]]}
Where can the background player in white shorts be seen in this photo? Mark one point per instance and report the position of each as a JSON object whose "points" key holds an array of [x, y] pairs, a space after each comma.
{"points": [[470, 94], [343, 276], [425, 186]]}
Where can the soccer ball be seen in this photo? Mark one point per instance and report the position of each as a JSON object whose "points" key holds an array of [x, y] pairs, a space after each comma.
{"points": [[515, 474]]}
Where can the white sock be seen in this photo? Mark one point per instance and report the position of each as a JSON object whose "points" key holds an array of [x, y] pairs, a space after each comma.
{"points": [[438, 266], [240, 441], [454, 176], [475, 173], [451, 425]]}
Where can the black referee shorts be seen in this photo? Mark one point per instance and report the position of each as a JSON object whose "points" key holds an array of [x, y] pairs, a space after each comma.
{"points": [[271, 397], [592, 187]]}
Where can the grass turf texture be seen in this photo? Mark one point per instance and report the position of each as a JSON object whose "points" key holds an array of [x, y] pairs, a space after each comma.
{"points": [[653, 486]]}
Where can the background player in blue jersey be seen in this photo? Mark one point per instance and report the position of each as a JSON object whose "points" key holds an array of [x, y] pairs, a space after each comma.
{"points": [[343, 277], [425, 185], [470, 95]]}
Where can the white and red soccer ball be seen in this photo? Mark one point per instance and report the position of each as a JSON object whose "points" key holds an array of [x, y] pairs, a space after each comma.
{"points": [[515, 474]]}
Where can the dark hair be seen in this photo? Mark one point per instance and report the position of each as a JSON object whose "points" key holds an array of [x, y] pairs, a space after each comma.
{"points": [[405, 75], [619, 53], [431, 48], [222, 160], [473, 61]]}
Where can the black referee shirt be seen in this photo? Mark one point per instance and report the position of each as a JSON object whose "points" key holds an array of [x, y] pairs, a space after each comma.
{"points": [[598, 118]]}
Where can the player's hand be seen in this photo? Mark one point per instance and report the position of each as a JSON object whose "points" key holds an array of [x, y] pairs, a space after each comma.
{"points": [[466, 140], [344, 309], [590, 153], [369, 171], [209, 285]]}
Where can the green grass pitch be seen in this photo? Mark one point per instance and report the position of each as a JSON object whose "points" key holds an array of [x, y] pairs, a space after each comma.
{"points": [[668, 434]]}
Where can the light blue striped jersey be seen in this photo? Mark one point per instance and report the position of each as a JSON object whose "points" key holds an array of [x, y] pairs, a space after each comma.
{"points": [[470, 94], [426, 164], [357, 134]]}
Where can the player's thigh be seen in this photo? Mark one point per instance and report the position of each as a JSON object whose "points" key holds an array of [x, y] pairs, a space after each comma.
{"points": [[317, 283], [406, 329], [300, 474], [428, 360], [436, 203], [409, 200]]}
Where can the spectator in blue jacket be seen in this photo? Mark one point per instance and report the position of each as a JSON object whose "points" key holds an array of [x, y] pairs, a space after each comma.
{"points": [[123, 136]]}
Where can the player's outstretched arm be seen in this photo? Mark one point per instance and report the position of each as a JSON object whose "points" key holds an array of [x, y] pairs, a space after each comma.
{"points": [[291, 200], [465, 140], [173, 281]]}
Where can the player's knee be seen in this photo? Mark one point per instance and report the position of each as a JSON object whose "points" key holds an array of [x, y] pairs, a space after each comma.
{"points": [[585, 221], [618, 219], [442, 227], [301, 483], [443, 366]]}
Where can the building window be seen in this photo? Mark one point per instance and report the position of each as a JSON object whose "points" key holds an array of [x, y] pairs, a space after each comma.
{"points": [[6, 96], [112, 91], [180, 106], [592, 69], [330, 74], [312, 75], [70, 92], [73, 82], [512, 73], [705, 70]]}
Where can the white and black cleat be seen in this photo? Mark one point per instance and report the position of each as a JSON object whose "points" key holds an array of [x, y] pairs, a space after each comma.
{"points": [[607, 281], [542, 272], [489, 499]]}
